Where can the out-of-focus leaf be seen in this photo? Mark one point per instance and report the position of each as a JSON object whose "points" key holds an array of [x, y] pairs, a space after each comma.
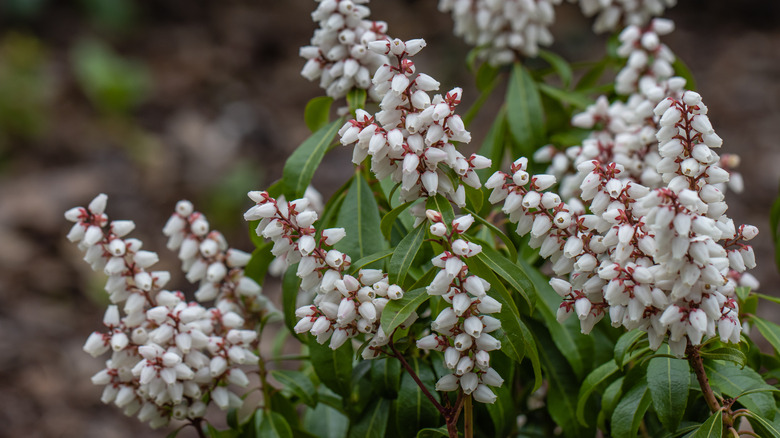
{"points": [[317, 112], [297, 383], [559, 65], [573, 98], [413, 409], [592, 381], [300, 167], [356, 99], [386, 225], [373, 422], [370, 261], [494, 145]]}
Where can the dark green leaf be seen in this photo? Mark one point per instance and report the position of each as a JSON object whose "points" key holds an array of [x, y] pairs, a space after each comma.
{"points": [[443, 206], [591, 77], [763, 427], [769, 330], [386, 376], [731, 380], [433, 433], [404, 254], [257, 267], [326, 422], [333, 367], [507, 242], [388, 220], [502, 412], [356, 98], [317, 112], [494, 144], [668, 381], [373, 422], [359, 215], [559, 64], [524, 112], [300, 167], [596, 377], [297, 383], [273, 425], [712, 428], [514, 275], [291, 285], [630, 410], [576, 99], [397, 311], [726, 353], [413, 409], [625, 344], [369, 260]]}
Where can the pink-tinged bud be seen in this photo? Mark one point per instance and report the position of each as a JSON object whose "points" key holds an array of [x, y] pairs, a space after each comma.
{"points": [[543, 181], [749, 232], [321, 325], [462, 224]]}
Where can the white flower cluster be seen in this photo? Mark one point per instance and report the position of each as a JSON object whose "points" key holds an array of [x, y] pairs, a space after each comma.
{"points": [[663, 260], [464, 327], [338, 54], [623, 132], [502, 29], [410, 139], [168, 353], [612, 14], [343, 305]]}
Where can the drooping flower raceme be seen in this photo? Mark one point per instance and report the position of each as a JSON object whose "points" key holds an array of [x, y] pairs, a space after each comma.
{"points": [[612, 14], [169, 356], [663, 260], [463, 329], [502, 29], [411, 138], [338, 54], [342, 306]]}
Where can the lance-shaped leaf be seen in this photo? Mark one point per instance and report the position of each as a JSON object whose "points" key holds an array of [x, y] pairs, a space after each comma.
{"points": [[630, 410], [514, 275], [373, 423], [625, 344], [272, 425], [326, 422], [413, 409], [404, 254], [359, 215], [291, 285], [333, 367], [668, 381], [300, 167], [525, 113], [298, 384], [596, 377], [386, 376], [769, 330], [494, 145], [356, 98], [712, 428], [443, 206], [369, 261], [731, 380], [763, 427], [317, 112], [386, 225], [397, 311], [559, 65]]}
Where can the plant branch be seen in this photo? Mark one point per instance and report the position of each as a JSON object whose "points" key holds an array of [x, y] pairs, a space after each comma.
{"points": [[417, 380], [197, 423], [694, 358], [468, 420]]}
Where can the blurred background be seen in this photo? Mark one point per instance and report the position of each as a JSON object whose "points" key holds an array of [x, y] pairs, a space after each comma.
{"points": [[154, 101]]}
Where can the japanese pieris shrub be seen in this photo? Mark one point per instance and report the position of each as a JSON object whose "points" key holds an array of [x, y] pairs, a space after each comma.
{"points": [[594, 285]]}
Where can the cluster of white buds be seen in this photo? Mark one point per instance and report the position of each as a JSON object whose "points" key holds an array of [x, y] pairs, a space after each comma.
{"points": [[169, 356], [410, 139], [338, 54], [343, 305], [502, 29], [624, 131], [611, 14], [665, 259], [463, 329]]}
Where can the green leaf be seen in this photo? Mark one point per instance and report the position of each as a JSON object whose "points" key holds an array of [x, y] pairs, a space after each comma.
{"points": [[591, 77], [326, 422], [524, 112], [680, 69], [502, 412], [369, 260], [668, 381], [732, 381], [297, 383], [273, 425], [712, 428], [429, 432], [559, 65], [300, 167], [397, 311], [373, 422], [333, 367], [625, 344], [443, 206], [258, 264], [386, 376], [356, 98], [507, 242], [388, 220], [630, 410], [763, 427], [359, 215], [404, 254], [514, 275], [576, 99], [413, 409], [769, 330], [494, 144], [317, 112], [291, 285], [726, 353], [592, 381]]}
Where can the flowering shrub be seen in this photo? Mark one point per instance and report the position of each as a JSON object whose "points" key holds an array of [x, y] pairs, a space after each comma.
{"points": [[419, 295]]}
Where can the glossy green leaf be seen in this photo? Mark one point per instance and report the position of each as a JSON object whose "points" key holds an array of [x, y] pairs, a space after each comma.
{"points": [[373, 422], [317, 112], [443, 206], [763, 427], [291, 286], [561, 67], [404, 254], [726, 353], [630, 410], [413, 409], [732, 380], [668, 381], [386, 225], [297, 383], [333, 367], [273, 425], [625, 344], [300, 167], [326, 422], [369, 261], [525, 113], [514, 275], [356, 98], [769, 330], [576, 99], [712, 428], [507, 243], [596, 378], [359, 215], [397, 311]]}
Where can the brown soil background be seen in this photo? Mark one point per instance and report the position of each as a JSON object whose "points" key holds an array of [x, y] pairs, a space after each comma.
{"points": [[220, 67]]}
